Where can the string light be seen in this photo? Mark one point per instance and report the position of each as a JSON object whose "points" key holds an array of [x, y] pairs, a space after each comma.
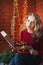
{"points": [[14, 18], [25, 9]]}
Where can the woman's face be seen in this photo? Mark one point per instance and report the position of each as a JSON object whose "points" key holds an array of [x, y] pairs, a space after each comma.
{"points": [[30, 23]]}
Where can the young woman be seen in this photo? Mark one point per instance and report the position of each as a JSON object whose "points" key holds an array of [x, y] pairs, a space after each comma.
{"points": [[31, 35]]}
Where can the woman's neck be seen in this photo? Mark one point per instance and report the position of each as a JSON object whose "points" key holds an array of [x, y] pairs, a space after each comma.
{"points": [[29, 30]]}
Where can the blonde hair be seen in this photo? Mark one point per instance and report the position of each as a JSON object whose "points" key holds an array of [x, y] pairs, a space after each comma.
{"points": [[38, 25], [23, 25], [38, 21]]}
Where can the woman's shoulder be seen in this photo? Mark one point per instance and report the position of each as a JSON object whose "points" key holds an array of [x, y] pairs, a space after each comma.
{"points": [[24, 31]]}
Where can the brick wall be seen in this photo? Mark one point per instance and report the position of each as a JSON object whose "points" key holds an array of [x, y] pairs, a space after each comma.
{"points": [[6, 9], [39, 8]]}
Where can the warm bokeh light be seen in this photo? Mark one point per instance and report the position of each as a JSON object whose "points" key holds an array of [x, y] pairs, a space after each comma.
{"points": [[15, 16]]}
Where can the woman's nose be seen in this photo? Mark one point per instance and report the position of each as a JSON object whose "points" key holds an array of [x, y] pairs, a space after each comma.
{"points": [[29, 22]]}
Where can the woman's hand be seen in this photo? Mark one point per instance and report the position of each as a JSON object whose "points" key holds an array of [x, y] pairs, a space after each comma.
{"points": [[33, 52]]}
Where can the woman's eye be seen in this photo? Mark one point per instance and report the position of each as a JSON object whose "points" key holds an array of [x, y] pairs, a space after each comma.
{"points": [[33, 22]]}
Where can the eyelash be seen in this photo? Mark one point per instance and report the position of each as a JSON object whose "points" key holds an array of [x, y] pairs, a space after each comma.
{"points": [[31, 22], [28, 20]]}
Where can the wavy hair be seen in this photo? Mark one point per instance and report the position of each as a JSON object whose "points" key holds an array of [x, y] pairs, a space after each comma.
{"points": [[37, 32], [38, 26]]}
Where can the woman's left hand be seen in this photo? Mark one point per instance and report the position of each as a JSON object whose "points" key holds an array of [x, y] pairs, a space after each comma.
{"points": [[33, 52]]}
